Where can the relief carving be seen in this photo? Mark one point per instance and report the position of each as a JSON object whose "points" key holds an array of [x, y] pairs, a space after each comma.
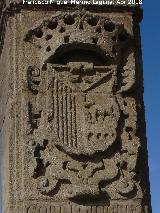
{"points": [[131, 208], [34, 116], [100, 33], [33, 79], [90, 144], [84, 175]]}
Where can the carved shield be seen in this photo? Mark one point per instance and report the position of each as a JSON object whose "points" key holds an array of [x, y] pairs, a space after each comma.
{"points": [[85, 116]]}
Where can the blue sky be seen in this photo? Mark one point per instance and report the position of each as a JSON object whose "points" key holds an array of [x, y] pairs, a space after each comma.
{"points": [[150, 32], [150, 28]]}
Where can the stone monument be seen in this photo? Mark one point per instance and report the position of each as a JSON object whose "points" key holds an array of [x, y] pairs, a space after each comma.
{"points": [[71, 109]]}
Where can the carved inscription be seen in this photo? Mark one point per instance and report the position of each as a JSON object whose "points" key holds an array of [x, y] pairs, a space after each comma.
{"points": [[89, 209]]}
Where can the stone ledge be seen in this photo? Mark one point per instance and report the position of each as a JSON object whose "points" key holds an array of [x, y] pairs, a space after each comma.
{"points": [[9, 7], [124, 4]]}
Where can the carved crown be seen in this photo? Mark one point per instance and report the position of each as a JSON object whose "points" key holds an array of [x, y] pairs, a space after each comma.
{"points": [[80, 33]]}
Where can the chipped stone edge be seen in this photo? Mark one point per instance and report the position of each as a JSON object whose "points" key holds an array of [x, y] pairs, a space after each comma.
{"points": [[16, 6]]}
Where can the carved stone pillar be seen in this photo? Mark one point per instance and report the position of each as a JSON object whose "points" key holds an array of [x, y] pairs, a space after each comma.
{"points": [[72, 113]]}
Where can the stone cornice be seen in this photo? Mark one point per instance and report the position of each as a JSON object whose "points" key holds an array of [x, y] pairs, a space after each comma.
{"points": [[12, 5], [116, 2], [9, 7]]}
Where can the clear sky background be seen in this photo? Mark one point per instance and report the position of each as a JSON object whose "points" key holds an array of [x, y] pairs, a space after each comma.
{"points": [[150, 31], [150, 28]]}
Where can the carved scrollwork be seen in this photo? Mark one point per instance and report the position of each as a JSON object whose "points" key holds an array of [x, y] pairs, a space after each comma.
{"points": [[85, 176], [33, 79], [34, 116], [91, 143], [53, 168]]}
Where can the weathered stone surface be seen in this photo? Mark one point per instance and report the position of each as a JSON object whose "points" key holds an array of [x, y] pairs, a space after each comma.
{"points": [[127, 3], [75, 137]]}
